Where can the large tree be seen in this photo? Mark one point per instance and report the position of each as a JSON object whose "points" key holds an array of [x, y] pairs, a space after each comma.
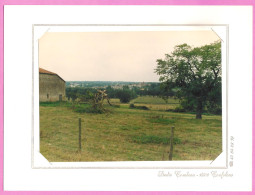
{"points": [[195, 72]]}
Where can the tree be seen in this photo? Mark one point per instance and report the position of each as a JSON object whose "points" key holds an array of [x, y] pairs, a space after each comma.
{"points": [[125, 95], [195, 72], [98, 101]]}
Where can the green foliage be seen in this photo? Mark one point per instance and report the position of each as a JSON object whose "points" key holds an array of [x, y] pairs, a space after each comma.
{"points": [[131, 105], [152, 139], [54, 104], [125, 95], [72, 93], [78, 89], [96, 110], [214, 108], [194, 73], [187, 105], [95, 101], [88, 96]]}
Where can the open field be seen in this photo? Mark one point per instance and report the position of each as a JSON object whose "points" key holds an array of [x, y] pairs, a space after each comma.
{"points": [[154, 100], [128, 134], [155, 103]]}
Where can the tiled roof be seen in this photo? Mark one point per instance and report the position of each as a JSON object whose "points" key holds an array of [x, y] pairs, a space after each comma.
{"points": [[41, 70]]}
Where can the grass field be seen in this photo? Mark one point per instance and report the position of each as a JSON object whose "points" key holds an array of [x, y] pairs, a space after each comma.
{"points": [[128, 134]]}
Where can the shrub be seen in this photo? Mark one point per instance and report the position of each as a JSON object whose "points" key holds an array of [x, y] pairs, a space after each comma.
{"points": [[131, 105], [125, 95], [96, 110], [87, 108]]}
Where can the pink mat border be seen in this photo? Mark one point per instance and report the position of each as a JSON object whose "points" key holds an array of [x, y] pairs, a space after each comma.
{"points": [[115, 2]]}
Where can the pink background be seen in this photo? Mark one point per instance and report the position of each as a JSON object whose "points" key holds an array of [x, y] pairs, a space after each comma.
{"points": [[111, 2]]}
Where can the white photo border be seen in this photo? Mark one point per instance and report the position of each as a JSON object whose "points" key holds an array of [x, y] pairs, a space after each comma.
{"points": [[19, 175]]}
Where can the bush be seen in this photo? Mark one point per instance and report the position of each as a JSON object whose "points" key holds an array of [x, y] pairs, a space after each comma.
{"points": [[89, 109], [125, 95], [131, 105], [96, 110]]}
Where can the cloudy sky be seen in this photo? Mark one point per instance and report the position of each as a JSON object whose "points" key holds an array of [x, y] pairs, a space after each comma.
{"points": [[112, 56]]}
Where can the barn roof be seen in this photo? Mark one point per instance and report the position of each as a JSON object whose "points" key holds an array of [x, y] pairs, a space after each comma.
{"points": [[43, 71]]}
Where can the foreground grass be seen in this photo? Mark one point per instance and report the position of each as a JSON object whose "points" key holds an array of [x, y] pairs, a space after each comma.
{"points": [[127, 135]]}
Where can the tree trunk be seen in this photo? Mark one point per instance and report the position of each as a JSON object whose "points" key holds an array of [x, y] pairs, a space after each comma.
{"points": [[199, 109]]}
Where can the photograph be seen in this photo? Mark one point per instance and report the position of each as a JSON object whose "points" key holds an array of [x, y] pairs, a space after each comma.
{"points": [[130, 95]]}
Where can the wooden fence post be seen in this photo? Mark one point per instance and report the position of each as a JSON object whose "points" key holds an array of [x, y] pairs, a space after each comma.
{"points": [[80, 134], [171, 144]]}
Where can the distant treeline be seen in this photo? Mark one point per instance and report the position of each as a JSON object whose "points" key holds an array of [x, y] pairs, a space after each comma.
{"points": [[103, 84], [125, 94]]}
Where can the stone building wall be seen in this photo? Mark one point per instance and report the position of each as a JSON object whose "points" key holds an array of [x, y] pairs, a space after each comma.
{"points": [[51, 88]]}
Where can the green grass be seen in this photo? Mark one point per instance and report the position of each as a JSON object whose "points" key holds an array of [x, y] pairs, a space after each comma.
{"points": [[154, 100], [155, 103], [152, 139], [127, 134], [54, 104], [159, 119]]}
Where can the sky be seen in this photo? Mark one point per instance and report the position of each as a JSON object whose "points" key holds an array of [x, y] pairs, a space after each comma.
{"points": [[112, 56]]}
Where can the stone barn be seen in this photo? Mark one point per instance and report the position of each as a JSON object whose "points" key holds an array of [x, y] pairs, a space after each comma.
{"points": [[52, 87]]}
